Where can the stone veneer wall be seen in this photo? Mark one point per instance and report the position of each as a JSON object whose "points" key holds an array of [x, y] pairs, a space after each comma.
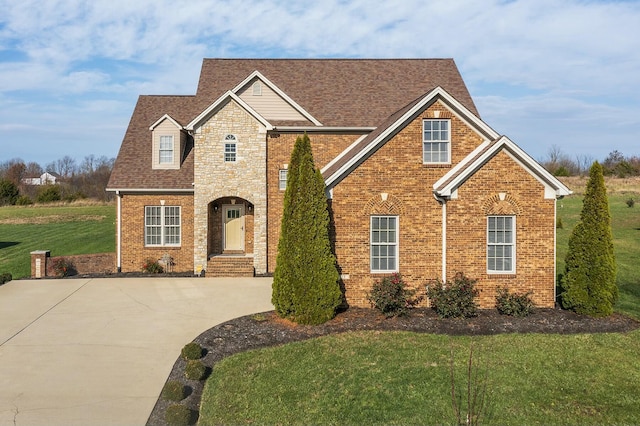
{"points": [[246, 178]]}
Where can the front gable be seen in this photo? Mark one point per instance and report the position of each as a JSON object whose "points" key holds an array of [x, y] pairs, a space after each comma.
{"points": [[270, 101], [435, 105]]}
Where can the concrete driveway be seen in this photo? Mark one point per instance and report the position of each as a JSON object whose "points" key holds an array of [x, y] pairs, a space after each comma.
{"points": [[98, 351]]}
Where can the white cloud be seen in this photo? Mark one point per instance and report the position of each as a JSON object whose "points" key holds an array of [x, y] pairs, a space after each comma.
{"points": [[566, 63]]}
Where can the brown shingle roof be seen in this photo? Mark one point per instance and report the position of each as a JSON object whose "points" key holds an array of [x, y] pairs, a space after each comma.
{"points": [[337, 92], [132, 169], [341, 92]]}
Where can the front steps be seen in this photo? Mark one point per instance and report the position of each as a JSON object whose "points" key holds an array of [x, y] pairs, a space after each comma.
{"points": [[230, 265]]}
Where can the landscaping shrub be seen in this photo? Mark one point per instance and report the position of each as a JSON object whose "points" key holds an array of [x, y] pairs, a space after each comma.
{"points": [[455, 298], [152, 266], [391, 297], [63, 267], [23, 200], [195, 370], [49, 193], [5, 278], [174, 391], [559, 224], [514, 304], [179, 415], [192, 351], [631, 202]]}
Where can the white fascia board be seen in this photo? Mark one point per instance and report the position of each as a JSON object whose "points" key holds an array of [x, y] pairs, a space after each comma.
{"points": [[462, 164], [228, 95], [165, 117], [537, 171], [465, 114], [515, 152], [323, 129], [276, 89], [459, 110], [342, 154]]}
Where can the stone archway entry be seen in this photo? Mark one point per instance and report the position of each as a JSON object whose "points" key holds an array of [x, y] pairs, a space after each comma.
{"points": [[233, 227]]}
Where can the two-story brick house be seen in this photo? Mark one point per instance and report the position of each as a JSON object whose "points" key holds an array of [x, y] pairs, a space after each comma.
{"points": [[417, 183]]}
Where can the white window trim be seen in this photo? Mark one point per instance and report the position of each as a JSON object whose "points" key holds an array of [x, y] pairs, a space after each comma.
{"points": [[513, 247], [280, 180], [231, 141], [397, 245], [448, 141], [163, 227], [160, 150]]}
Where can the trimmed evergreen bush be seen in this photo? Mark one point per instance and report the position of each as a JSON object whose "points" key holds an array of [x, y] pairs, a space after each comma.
{"points": [[589, 282], [192, 351], [514, 304], [391, 296], [305, 282], [174, 391], [5, 278], [455, 298], [179, 415], [195, 370]]}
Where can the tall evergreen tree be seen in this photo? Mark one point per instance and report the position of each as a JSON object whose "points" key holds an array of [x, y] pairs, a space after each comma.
{"points": [[589, 282], [305, 282]]}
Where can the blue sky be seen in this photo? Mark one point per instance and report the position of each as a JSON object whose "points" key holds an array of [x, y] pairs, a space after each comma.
{"points": [[543, 72]]}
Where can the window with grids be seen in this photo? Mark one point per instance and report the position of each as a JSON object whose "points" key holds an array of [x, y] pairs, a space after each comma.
{"points": [[230, 148], [282, 179], [162, 225], [501, 244], [166, 150], [384, 243], [436, 142]]}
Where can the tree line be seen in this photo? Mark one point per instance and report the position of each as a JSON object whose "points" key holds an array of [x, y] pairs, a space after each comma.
{"points": [[86, 179], [616, 164]]}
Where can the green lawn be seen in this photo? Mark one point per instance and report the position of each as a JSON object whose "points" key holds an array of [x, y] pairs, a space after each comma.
{"points": [[404, 378], [65, 230]]}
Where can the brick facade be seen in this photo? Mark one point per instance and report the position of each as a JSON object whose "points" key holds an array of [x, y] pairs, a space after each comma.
{"points": [[134, 252], [394, 181], [325, 148]]}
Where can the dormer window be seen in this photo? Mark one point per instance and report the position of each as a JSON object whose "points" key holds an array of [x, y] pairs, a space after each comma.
{"points": [[230, 149], [257, 88], [166, 150]]}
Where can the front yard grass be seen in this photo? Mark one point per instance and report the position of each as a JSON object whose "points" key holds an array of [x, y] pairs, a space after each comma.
{"points": [[65, 230], [404, 378]]}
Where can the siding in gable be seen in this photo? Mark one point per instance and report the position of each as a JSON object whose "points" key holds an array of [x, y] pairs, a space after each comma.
{"points": [[167, 128], [270, 105]]}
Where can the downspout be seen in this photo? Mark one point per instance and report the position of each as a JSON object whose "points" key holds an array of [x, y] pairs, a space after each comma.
{"points": [[443, 203], [119, 233], [555, 249]]}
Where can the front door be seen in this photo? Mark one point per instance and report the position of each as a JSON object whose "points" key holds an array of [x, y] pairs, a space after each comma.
{"points": [[233, 216]]}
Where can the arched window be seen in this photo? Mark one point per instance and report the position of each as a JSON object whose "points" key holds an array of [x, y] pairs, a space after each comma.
{"points": [[230, 148]]}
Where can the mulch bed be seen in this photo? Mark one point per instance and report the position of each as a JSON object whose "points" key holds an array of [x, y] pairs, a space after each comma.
{"points": [[266, 329]]}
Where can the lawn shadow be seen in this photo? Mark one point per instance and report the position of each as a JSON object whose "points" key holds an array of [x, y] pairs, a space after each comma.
{"points": [[6, 244]]}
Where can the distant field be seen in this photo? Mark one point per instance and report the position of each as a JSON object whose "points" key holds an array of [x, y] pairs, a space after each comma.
{"points": [[65, 229]]}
